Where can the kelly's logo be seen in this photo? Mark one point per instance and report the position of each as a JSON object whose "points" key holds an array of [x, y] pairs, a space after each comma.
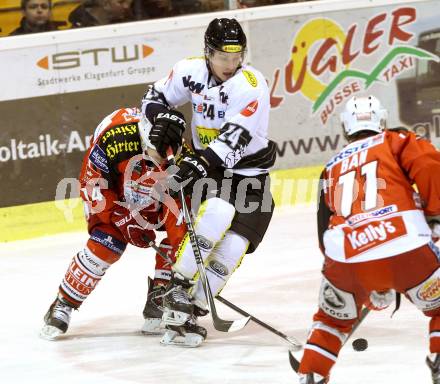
{"points": [[372, 234], [95, 56], [323, 54]]}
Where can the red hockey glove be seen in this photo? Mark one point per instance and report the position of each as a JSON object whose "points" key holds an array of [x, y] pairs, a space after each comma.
{"points": [[434, 224], [133, 226]]}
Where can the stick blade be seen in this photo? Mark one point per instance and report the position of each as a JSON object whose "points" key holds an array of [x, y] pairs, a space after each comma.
{"points": [[296, 345], [230, 326], [294, 363]]}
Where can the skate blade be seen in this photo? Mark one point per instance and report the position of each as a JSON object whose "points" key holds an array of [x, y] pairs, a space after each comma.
{"points": [[51, 333], [189, 340], [153, 326], [177, 318]]}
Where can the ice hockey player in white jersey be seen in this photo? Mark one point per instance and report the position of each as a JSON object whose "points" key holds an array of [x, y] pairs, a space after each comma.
{"points": [[229, 173]]}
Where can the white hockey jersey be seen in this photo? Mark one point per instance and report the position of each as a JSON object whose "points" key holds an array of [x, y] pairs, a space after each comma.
{"points": [[231, 118]]}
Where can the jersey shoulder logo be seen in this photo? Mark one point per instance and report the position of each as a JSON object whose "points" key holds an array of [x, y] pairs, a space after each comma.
{"points": [[250, 109], [98, 159], [169, 78], [121, 141], [250, 77], [192, 85]]}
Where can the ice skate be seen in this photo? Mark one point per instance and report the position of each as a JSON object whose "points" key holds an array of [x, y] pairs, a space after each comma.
{"points": [[188, 335], [200, 309], [56, 319], [153, 310], [178, 307], [433, 361]]}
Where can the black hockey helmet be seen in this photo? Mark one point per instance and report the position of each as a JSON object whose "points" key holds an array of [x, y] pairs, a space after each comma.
{"points": [[224, 35]]}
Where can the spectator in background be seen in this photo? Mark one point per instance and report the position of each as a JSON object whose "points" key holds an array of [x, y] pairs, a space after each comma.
{"points": [[100, 12], [152, 9], [36, 17], [260, 3], [213, 5], [185, 7], [257, 3]]}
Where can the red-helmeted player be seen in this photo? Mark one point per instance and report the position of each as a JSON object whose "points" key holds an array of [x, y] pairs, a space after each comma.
{"points": [[375, 232], [125, 201]]}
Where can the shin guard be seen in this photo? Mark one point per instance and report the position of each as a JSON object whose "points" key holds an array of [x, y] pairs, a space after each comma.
{"points": [[221, 263], [213, 220], [84, 273]]}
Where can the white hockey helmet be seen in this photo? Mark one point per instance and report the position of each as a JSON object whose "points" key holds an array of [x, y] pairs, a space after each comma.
{"points": [[363, 114]]}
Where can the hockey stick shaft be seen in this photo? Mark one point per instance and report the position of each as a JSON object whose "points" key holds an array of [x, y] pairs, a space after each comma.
{"points": [[219, 324], [294, 362], [291, 340], [365, 311]]}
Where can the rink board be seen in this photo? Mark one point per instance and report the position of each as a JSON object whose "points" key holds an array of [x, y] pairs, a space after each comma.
{"points": [[289, 188], [57, 88]]}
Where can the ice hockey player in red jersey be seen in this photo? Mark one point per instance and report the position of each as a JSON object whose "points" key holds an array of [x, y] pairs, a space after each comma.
{"points": [[125, 201], [375, 233]]}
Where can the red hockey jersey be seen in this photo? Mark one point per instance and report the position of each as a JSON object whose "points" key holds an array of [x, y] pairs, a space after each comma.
{"points": [[368, 208]]}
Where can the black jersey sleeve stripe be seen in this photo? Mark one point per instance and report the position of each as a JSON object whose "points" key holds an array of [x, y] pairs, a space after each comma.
{"points": [[265, 158]]}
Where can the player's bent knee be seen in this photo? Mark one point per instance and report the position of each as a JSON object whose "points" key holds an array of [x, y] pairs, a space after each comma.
{"points": [[335, 302], [217, 213], [213, 220], [106, 246]]}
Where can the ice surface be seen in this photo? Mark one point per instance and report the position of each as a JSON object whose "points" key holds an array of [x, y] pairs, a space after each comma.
{"points": [[278, 284]]}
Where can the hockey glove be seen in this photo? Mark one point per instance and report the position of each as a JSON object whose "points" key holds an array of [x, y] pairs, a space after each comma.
{"points": [[167, 130], [380, 300], [191, 169], [133, 227], [434, 224]]}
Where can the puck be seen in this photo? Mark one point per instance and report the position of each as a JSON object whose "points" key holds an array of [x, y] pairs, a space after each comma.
{"points": [[360, 344]]}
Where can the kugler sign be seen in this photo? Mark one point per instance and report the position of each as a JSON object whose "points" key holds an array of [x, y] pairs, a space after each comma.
{"points": [[323, 48]]}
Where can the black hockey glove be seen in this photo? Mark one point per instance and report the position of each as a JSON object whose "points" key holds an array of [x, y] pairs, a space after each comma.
{"points": [[191, 169], [167, 130]]}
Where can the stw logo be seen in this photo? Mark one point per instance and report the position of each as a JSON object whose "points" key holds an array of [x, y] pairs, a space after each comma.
{"points": [[95, 56], [192, 85], [370, 235]]}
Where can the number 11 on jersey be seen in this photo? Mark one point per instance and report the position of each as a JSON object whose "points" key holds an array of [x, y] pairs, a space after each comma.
{"points": [[350, 189]]}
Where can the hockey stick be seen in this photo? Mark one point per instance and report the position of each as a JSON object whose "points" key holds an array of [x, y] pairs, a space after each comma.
{"points": [[294, 362], [219, 323], [296, 345]]}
